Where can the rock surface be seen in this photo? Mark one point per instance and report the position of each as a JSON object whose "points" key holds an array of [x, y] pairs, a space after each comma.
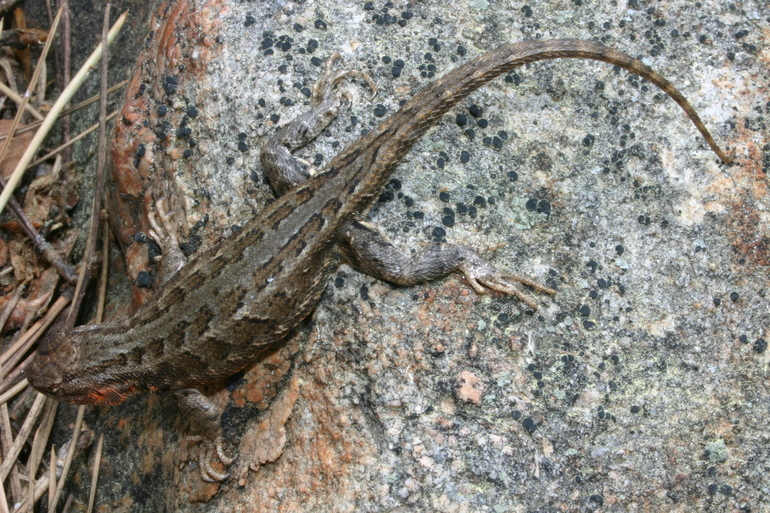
{"points": [[642, 386]]}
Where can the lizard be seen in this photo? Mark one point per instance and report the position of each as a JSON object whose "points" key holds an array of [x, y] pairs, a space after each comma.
{"points": [[219, 311]]}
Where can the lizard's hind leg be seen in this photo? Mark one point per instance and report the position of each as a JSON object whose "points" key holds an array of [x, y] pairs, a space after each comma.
{"points": [[369, 250], [205, 427], [283, 169]]}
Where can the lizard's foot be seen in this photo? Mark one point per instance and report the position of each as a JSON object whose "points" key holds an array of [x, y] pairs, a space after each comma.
{"points": [[483, 276], [324, 88], [211, 450], [206, 429], [172, 258]]}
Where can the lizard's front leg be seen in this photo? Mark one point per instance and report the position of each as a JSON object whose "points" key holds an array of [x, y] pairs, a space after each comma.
{"points": [[283, 169], [370, 251], [204, 417], [162, 231]]}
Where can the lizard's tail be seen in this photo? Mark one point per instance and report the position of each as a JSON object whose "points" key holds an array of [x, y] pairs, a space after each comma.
{"points": [[372, 159], [469, 77]]}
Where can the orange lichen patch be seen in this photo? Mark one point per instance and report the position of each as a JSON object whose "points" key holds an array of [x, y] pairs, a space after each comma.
{"points": [[145, 141], [750, 236], [264, 377], [264, 441], [746, 222]]}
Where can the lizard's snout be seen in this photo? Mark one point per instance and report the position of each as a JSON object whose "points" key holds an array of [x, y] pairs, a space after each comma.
{"points": [[46, 371], [44, 376]]}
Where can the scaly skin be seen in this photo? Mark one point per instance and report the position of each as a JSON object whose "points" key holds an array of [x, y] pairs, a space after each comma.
{"points": [[214, 316]]}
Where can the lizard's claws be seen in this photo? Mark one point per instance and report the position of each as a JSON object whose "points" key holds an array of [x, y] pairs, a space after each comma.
{"points": [[211, 449], [326, 84], [165, 234], [483, 276], [207, 430]]}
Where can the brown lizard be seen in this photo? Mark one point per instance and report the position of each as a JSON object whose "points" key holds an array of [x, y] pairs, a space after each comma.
{"points": [[215, 315]]}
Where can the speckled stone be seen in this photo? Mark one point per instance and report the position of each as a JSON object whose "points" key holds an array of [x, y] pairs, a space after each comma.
{"points": [[615, 395]]}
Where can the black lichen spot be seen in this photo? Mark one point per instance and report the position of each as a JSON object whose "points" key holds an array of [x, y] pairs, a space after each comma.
{"points": [[529, 425], [144, 279], [170, 84], [380, 110], [597, 499]]}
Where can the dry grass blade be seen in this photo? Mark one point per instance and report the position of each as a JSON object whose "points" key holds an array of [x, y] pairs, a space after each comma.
{"points": [[64, 72], [70, 142], [68, 461], [22, 345], [19, 100], [56, 109], [95, 474], [21, 438], [101, 155], [7, 442], [94, 98], [3, 500], [36, 456], [65, 112], [16, 375], [105, 269], [31, 86], [18, 387], [11, 304], [44, 247], [52, 475], [48, 482]]}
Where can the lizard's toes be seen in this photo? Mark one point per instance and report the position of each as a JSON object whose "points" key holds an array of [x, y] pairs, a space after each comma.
{"points": [[325, 86], [205, 460], [224, 458]]}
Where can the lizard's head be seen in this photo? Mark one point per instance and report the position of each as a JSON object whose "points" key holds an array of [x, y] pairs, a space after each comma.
{"points": [[54, 372]]}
